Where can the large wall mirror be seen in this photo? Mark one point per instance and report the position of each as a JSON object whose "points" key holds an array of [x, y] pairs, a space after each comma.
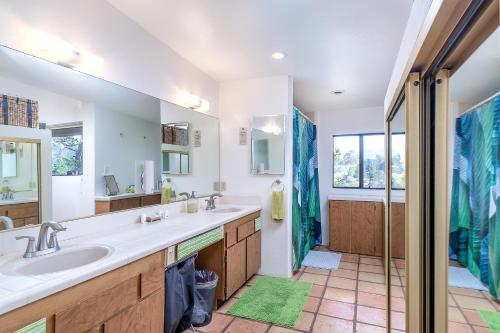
{"points": [[82, 135]]}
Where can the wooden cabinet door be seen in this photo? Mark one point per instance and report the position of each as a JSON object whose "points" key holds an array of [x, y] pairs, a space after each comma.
{"points": [[366, 217], [145, 317], [398, 230], [253, 254], [123, 204], [340, 226], [235, 267]]}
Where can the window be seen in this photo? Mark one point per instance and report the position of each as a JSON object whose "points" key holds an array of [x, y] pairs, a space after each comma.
{"points": [[67, 151], [359, 161], [398, 161], [346, 161]]}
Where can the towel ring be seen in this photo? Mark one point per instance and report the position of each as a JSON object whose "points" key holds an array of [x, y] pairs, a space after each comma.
{"points": [[277, 185]]}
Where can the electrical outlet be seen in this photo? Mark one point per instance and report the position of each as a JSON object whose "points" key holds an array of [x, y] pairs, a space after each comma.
{"points": [[219, 186]]}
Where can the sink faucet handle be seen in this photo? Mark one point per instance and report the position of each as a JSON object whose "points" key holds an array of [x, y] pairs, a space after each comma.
{"points": [[30, 248], [56, 226], [53, 242]]}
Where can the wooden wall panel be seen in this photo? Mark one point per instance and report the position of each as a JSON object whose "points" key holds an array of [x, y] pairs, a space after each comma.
{"points": [[340, 226], [363, 226], [397, 230]]}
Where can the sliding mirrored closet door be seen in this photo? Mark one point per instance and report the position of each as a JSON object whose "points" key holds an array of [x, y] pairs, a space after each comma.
{"points": [[465, 112]]}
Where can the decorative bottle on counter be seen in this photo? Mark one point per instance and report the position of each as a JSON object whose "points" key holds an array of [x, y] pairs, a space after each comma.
{"points": [[192, 203]]}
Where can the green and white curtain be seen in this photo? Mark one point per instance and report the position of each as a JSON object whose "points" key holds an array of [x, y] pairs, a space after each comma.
{"points": [[474, 220], [306, 230]]}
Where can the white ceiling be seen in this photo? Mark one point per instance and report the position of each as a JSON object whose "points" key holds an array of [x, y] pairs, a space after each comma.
{"points": [[331, 44], [64, 81]]}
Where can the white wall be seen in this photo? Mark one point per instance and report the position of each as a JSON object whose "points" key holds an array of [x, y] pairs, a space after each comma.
{"points": [[120, 140], [131, 56], [422, 14], [239, 101], [365, 120], [59, 109], [203, 160]]}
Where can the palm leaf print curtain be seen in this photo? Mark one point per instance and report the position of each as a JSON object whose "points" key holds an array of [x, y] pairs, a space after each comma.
{"points": [[474, 221], [306, 230]]}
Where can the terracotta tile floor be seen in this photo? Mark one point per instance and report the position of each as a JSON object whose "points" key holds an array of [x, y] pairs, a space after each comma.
{"points": [[351, 300]]}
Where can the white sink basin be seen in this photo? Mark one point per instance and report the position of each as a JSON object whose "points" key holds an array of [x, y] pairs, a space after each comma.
{"points": [[60, 261], [227, 210]]}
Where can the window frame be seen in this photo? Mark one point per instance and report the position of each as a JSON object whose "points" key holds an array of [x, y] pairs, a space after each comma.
{"points": [[361, 161]]}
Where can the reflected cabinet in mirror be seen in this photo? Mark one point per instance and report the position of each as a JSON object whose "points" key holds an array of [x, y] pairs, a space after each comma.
{"points": [[268, 145], [72, 145]]}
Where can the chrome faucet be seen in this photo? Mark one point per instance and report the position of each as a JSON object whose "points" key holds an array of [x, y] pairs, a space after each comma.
{"points": [[211, 201], [8, 195], [43, 246], [185, 194]]}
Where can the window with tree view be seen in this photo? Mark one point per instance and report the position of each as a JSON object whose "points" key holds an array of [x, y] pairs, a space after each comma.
{"points": [[67, 151], [359, 161]]}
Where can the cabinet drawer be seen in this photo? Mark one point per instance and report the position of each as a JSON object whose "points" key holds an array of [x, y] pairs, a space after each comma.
{"points": [[194, 244], [149, 200], [230, 234], [84, 315], [122, 204], [19, 211], [246, 230]]}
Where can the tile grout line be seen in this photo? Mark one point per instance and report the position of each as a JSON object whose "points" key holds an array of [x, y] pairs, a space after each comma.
{"points": [[461, 311], [355, 319]]}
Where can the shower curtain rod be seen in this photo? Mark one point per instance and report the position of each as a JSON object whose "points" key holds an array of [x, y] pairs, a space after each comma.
{"points": [[303, 115], [480, 103]]}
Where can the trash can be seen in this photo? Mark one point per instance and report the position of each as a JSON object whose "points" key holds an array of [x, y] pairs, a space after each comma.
{"points": [[204, 297]]}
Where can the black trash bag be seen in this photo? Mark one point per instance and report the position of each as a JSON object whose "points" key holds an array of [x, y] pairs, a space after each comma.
{"points": [[179, 296], [204, 297]]}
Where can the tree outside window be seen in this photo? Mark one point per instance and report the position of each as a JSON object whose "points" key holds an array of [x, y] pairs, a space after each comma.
{"points": [[67, 151], [359, 161]]}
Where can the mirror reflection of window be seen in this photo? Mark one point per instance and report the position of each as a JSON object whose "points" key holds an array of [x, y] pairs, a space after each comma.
{"points": [[9, 159], [67, 151]]}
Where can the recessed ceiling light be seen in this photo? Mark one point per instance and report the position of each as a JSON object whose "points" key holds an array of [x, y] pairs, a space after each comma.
{"points": [[337, 92], [278, 55]]}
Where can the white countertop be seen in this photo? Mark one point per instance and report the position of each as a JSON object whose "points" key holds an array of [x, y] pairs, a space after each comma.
{"points": [[122, 196], [17, 201], [130, 242]]}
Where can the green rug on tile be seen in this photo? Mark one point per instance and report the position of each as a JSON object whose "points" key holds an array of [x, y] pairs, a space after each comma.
{"points": [[273, 300], [492, 319]]}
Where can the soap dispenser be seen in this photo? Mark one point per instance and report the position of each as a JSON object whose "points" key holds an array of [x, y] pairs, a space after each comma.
{"points": [[192, 203]]}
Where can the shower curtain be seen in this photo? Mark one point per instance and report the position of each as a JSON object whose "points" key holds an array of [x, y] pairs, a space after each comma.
{"points": [[306, 230], [474, 221]]}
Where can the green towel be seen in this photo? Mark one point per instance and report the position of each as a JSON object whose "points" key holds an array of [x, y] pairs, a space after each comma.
{"points": [[278, 206], [492, 319], [166, 195]]}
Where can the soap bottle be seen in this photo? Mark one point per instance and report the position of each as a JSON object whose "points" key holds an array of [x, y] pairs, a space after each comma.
{"points": [[192, 203]]}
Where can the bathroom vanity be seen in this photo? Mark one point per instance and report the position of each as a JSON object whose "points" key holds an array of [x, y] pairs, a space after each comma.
{"points": [[22, 213], [108, 204], [124, 290]]}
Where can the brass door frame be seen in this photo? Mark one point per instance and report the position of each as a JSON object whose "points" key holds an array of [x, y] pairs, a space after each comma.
{"points": [[410, 96]]}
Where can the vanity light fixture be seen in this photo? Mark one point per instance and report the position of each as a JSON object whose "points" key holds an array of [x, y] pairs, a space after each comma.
{"points": [[337, 92], [58, 51], [278, 55], [193, 102]]}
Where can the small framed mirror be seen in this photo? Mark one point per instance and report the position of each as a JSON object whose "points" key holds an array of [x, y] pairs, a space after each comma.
{"points": [[268, 145], [111, 185]]}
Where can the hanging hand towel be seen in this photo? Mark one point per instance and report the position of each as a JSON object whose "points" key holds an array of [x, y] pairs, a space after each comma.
{"points": [[278, 206]]}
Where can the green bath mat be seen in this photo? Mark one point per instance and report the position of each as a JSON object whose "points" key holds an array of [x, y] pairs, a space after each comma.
{"points": [[492, 319], [273, 300]]}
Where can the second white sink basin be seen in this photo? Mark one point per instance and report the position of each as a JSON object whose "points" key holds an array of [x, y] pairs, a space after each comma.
{"points": [[61, 261], [227, 210]]}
